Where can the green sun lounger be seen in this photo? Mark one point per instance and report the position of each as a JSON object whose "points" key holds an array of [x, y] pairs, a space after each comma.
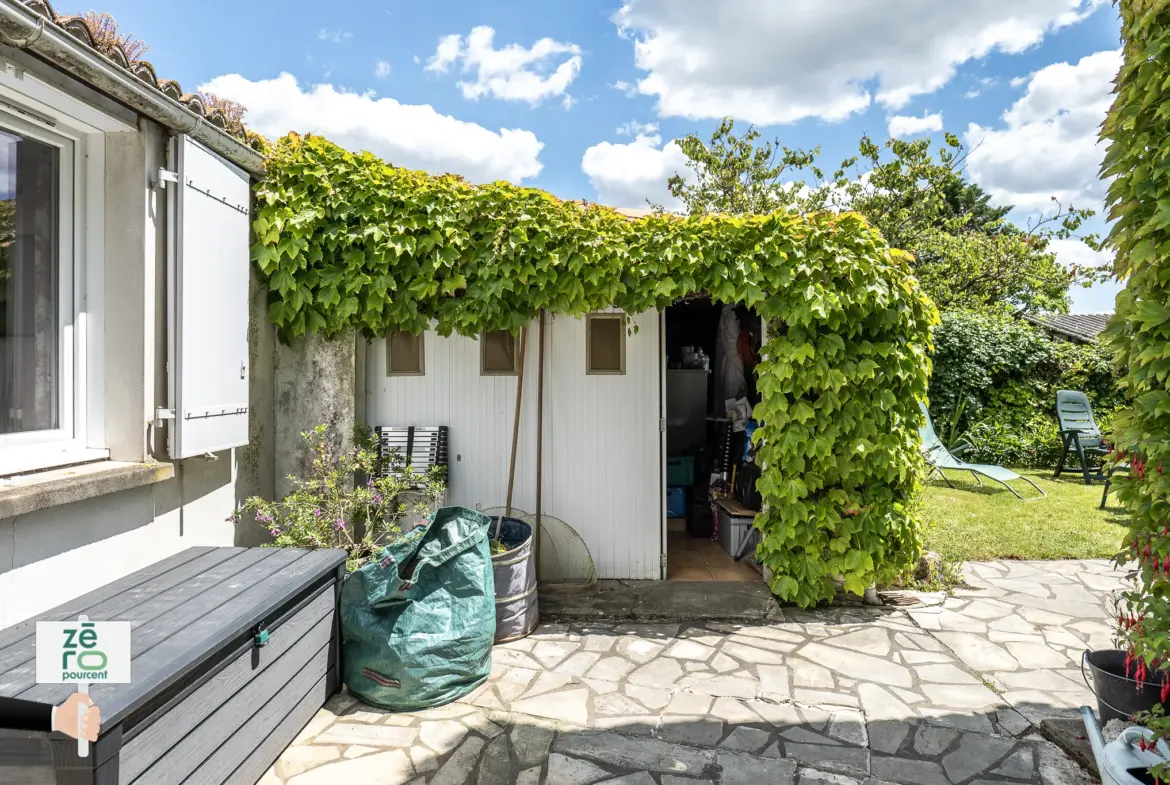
{"points": [[938, 457]]}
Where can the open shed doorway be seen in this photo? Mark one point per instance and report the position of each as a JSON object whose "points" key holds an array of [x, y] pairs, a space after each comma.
{"points": [[710, 500]]}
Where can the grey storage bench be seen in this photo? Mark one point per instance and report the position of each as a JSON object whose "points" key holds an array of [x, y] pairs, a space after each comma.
{"points": [[210, 701]]}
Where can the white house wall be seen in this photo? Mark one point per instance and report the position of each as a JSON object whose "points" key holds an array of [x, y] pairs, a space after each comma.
{"points": [[602, 459], [54, 554]]}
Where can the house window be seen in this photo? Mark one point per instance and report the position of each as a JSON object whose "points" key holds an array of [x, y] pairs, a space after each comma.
{"points": [[41, 412], [404, 355], [605, 343], [498, 354]]}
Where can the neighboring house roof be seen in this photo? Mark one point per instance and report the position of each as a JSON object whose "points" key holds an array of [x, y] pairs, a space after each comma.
{"points": [[634, 212], [1085, 327], [167, 89]]}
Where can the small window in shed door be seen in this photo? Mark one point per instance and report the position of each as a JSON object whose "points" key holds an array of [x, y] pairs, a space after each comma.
{"points": [[498, 354], [605, 344], [404, 355]]}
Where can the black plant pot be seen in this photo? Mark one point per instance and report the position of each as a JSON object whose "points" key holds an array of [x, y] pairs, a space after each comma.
{"points": [[1118, 696]]}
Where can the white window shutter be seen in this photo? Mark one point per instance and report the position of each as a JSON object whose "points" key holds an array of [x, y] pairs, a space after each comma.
{"points": [[209, 330]]}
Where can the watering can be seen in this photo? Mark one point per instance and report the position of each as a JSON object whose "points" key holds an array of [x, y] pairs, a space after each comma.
{"points": [[1120, 762]]}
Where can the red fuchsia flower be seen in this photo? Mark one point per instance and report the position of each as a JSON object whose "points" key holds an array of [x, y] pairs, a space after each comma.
{"points": [[1165, 689]]}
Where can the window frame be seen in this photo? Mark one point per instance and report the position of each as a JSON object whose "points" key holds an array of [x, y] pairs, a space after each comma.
{"points": [[79, 435], [483, 370], [605, 316], [422, 355]]}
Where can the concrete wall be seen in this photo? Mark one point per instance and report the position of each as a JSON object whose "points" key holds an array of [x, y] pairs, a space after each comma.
{"points": [[314, 385], [52, 555]]}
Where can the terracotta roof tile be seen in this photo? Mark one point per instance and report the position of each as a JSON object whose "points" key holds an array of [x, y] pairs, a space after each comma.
{"points": [[144, 71]]}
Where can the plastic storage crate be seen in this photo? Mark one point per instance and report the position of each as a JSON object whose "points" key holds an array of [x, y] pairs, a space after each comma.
{"points": [[733, 528], [680, 470], [676, 502]]}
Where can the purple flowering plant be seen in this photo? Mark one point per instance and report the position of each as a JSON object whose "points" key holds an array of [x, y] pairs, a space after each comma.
{"points": [[350, 499]]}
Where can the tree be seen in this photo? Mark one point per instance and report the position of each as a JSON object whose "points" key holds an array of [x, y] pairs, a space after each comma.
{"points": [[734, 175], [969, 202], [966, 252]]}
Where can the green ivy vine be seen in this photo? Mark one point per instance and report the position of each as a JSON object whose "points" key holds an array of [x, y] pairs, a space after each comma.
{"points": [[346, 241], [1137, 129]]}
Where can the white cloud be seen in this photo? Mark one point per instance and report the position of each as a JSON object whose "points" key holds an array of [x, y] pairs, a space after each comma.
{"points": [[446, 53], [511, 73], [634, 128], [1074, 253], [381, 69], [333, 36], [902, 126], [1047, 145], [772, 62], [414, 136], [1098, 298], [626, 175]]}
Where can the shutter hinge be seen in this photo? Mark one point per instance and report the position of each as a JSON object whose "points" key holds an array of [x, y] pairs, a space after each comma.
{"points": [[165, 176], [161, 415], [664, 561], [662, 425]]}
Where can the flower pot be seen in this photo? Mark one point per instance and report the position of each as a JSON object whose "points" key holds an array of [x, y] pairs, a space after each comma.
{"points": [[517, 610], [1118, 696]]}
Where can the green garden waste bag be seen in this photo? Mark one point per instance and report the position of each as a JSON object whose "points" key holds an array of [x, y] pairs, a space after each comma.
{"points": [[417, 624]]}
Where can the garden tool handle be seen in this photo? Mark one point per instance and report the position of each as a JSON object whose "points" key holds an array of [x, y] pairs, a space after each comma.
{"points": [[82, 743]]}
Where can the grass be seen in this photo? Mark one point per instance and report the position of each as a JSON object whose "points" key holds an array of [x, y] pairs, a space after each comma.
{"points": [[969, 523]]}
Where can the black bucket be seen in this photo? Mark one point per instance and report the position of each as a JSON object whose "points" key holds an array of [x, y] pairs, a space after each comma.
{"points": [[1118, 696], [517, 611]]}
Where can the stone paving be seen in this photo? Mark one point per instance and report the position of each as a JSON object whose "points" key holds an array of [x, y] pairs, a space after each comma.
{"points": [[945, 692]]}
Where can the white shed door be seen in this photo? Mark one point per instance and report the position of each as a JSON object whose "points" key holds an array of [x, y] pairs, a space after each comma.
{"points": [[209, 371]]}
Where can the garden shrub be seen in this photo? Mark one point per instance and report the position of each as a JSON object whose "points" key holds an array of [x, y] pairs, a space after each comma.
{"points": [[328, 509], [347, 241], [994, 386]]}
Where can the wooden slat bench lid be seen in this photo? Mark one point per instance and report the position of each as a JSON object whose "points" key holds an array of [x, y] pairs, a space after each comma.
{"points": [[185, 611]]}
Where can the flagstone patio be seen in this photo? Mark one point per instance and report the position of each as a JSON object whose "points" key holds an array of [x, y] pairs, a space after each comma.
{"points": [[945, 692]]}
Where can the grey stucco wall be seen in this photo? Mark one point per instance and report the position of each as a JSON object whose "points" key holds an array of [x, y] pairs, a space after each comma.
{"points": [[314, 384]]}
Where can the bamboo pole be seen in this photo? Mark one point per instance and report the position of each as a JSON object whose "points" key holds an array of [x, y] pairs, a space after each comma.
{"points": [[539, 440], [516, 420]]}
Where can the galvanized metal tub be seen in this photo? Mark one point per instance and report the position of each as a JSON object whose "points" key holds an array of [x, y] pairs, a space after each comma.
{"points": [[517, 611]]}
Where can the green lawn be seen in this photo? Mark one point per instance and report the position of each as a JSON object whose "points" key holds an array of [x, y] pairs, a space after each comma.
{"points": [[969, 523]]}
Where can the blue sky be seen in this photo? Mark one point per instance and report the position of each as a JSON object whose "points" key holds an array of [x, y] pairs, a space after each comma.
{"points": [[583, 99]]}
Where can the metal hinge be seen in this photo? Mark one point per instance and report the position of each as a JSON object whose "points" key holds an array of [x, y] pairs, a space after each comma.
{"points": [[664, 561], [662, 424], [166, 176], [161, 415]]}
